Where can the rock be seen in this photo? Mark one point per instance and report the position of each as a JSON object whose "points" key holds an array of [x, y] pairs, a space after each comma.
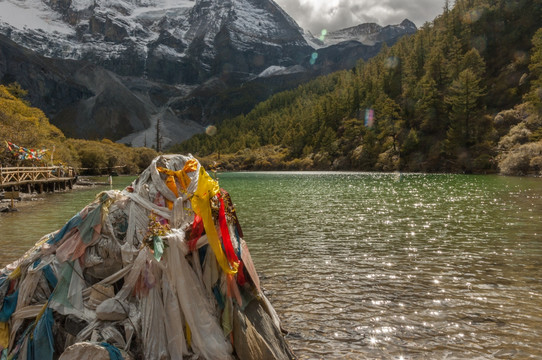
{"points": [[98, 294], [111, 310], [256, 337], [109, 29], [73, 325], [88, 351], [84, 100]]}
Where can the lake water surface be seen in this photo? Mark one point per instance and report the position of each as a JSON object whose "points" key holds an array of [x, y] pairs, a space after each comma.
{"points": [[365, 265]]}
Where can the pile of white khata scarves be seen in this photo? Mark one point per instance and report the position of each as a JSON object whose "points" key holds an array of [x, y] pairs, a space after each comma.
{"points": [[158, 270]]}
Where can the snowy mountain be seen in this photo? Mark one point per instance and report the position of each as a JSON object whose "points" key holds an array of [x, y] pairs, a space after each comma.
{"points": [[181, 61], [370, 33], [158, 39]]}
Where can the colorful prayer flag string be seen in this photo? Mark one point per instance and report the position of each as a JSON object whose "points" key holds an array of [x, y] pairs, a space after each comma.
{"points": [[23, 153]]}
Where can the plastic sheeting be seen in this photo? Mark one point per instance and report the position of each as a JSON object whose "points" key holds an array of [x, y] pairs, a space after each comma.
{"points": [[174, 322], [207, 337], [153, 326], [68, 295], [41, 347]]}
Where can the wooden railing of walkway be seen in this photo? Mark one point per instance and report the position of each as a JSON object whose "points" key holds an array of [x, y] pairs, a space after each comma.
{"points": [[37, 178]]}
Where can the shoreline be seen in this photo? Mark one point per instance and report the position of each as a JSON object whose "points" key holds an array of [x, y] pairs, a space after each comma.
{"points": [[308, 171], [27, 200]]}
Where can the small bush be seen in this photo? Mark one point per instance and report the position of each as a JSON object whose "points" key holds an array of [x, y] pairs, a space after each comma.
{"points": [[522, 160]]}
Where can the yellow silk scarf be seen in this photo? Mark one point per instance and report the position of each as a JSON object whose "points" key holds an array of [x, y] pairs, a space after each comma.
{"points": [[207, 188], [181, 175]]}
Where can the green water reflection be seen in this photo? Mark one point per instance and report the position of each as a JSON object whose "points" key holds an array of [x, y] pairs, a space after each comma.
{"points": [[391, 266], [377, 265]]}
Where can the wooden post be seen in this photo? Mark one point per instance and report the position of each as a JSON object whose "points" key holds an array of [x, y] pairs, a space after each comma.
{"points": [[12, 195]]}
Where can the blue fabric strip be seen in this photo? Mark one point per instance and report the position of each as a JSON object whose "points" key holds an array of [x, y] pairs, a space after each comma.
{"points": [[50, 276], [238, 243], [10, 303], [114, 353], [73, 222], [42, 342], [218, 296]]}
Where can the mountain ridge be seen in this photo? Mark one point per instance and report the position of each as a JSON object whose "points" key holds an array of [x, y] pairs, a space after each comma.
{"points": [[172, 60]]}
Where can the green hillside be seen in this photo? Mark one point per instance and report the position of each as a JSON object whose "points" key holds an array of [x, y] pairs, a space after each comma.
{"points": [[28, 127], [463, 94]]}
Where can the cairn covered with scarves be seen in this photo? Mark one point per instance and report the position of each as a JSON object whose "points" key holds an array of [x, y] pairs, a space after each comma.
{"points": [[159, 270]]}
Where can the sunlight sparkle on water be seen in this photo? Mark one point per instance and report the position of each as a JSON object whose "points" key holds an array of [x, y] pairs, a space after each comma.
{"points": [[294, 223]]}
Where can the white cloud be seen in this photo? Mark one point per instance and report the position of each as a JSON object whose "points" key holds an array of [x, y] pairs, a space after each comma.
{"points": [[315, 15]]}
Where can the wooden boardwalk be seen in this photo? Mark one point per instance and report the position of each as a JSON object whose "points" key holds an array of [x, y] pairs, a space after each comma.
{"points": [[38, 179]]}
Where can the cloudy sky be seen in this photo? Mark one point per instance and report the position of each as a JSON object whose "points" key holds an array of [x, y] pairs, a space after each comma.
{"points": [[315, 15]]}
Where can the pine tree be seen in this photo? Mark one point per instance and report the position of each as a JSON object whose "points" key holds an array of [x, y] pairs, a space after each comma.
{"points": [[389, 122], [453, 56], [158, 136], [472, 60], [429, 109], [409, 86], [466, 108], [435, 67]]}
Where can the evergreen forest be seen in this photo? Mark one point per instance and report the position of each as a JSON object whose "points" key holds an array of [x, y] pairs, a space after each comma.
{"points": [[463, 94]]}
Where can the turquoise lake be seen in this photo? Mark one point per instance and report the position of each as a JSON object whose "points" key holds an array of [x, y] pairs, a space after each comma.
{"points": [[369, 265]]}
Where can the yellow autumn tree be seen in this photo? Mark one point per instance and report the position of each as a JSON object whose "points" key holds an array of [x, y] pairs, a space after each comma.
{"points": [[27, 126]]}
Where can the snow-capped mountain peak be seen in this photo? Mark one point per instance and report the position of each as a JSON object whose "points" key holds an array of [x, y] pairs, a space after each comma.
{"points": [[369, 33], [164, 58]]}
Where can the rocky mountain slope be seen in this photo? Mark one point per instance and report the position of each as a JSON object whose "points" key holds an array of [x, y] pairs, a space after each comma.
{"points": [[369, 33], [112, 68]]}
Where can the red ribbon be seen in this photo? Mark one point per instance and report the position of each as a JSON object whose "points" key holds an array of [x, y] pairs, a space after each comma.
{"points": [[241, 274], [197, 231], [226, 240], [195, 234]]}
